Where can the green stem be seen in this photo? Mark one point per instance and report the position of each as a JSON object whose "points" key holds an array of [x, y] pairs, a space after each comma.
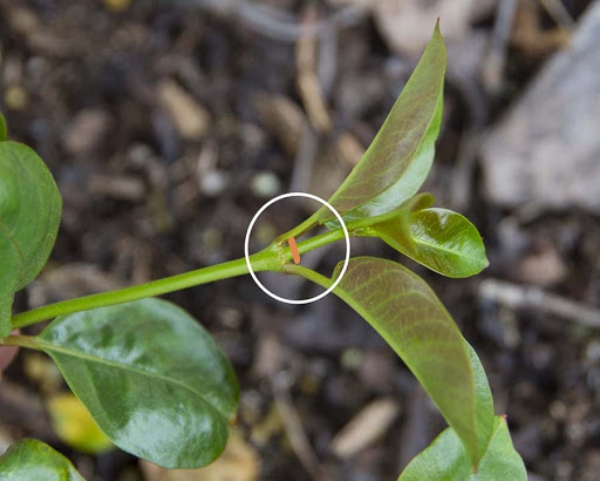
{"points": [[310, 275], [265, 260], [262, 261], [313, 243], [29, 342], [300, 229]]}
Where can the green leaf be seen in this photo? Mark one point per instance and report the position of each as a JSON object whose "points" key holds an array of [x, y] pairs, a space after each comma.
{"points": [[10, 260], [484, 402], [398, 160], [446, 460], [29, 459], [409, 316], [442, 240], [30, 207], [3, 129], [151, 377]]}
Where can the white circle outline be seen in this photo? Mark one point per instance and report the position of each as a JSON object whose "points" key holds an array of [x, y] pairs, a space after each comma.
{"points": [[247, 241]]}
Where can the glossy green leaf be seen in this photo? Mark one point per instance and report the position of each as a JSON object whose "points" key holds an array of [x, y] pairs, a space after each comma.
{"points": [[409, 316], [3, 129], [11, 263], [30, 207], [29, 460], [442, 240], [152, 378], [399, 158], [447, 460]]}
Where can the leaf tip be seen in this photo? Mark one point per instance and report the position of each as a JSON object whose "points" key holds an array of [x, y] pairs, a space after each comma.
{"points": [[438, 37], [437, 31]]}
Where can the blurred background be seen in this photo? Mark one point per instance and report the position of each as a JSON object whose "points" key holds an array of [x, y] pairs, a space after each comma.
{"points": [[168, 123]]}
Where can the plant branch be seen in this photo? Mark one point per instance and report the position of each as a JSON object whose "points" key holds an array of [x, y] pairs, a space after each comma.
{"points": [[261, 261], [265, 260], [21, 341], [299, 230], [309, 274], [516, 296]]}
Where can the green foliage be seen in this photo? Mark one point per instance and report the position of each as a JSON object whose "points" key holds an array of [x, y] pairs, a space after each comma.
{"points": [[10, 259], [3, 129], [442, 240], [30, 208], [29, 460], [398, 160], [160, 388], [446, 460], [409, 316], [152, 378]]}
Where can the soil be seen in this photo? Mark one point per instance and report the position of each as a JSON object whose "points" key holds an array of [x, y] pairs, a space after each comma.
{"points": [[152, 188]]}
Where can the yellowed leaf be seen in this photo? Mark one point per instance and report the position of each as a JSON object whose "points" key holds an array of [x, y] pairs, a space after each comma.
{"points": [[239, 462], [74, 425]]}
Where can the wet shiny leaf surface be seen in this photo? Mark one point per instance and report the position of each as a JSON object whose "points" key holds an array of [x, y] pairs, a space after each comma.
{"points": [[29, 460], [151, 377], [30, 209], [442, 240]]}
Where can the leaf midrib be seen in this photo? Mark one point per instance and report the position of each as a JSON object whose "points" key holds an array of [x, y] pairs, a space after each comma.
{"points": [[411, 156], [4, 230], [437, 247], [348, 297], [420, 242]]}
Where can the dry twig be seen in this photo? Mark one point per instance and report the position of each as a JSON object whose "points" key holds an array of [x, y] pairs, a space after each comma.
{"points": [[294, 429], [274, 23], [308, 80], [527, 297], [559, 13], [494, 66]]}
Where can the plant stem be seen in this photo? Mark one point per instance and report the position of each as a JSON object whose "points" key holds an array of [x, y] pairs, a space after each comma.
{"points": [[265, 260], [318, 241], [29, 342], [261, 261], [299, 230], [310, 275]]}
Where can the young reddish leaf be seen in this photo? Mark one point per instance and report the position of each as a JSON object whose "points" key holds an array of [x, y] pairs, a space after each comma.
{"points": [[30, 208], [409, 316], [398, 160], [442, 240], [447, 459], [30, 459]]}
